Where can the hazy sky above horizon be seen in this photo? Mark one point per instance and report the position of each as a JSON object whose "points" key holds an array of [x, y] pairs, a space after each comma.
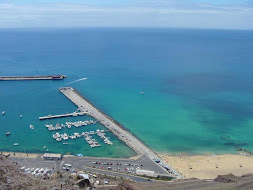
{"points": [[214, 14]]}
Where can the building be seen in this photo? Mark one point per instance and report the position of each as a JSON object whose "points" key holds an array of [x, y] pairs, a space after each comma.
{"points": [[145, 173], [48, 156], [84, 176]]}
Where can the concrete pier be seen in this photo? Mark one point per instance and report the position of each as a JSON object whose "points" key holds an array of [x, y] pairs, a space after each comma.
{"points": [[64, 115], [86, 106], [46, 77]]}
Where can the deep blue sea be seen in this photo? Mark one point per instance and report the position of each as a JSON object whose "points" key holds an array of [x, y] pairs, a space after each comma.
{"points": [[197, 84]]}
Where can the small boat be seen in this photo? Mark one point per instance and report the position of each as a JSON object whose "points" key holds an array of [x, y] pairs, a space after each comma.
{"points": [[21, 116], [45, 147], [8, 133], [3, 112], [142, 93], [31, 127], [15, 144]]}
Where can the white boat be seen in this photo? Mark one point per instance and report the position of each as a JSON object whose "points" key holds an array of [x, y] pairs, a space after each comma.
{"points": [[31, 127], [8, 133], [45, 147], [141, 92], [15, 144], [3, 112], [58, 139], [21, 116]]}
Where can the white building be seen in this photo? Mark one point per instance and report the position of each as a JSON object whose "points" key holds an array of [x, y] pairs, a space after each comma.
{"points": [[84, 176], [48, 156], [145, 173]]}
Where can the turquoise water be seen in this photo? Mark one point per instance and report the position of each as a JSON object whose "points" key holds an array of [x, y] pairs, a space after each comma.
{"points": [[197, 87]]}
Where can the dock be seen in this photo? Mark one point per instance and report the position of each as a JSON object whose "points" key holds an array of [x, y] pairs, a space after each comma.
{"points": [[42, 77], [84, 105], [75, 114]]}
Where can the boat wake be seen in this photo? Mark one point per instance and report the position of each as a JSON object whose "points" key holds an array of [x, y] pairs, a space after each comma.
{"points": [[76, 81]]}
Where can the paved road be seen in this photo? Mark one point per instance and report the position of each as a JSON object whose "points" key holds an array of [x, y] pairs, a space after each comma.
{"points": [[117, 167], [116, 174], [122, 165]]}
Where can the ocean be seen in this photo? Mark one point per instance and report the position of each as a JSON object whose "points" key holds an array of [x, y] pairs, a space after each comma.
{"points": [[197, 84]]}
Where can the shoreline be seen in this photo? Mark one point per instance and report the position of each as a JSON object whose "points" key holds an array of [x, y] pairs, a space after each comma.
{"points": [[209, 166], [21, 154]]}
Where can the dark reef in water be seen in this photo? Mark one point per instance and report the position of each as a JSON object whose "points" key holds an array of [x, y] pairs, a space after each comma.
{"points": [[231, 142]]}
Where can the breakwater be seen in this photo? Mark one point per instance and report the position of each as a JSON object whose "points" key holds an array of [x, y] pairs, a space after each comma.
{"points": [[46, 77]]}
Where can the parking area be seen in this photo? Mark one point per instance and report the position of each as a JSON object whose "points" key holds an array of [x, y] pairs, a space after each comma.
{"points": [[119, 167], [35, 163], [116, 165], [125, 168]]}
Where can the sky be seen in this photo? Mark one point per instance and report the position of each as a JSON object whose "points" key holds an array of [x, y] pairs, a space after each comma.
{"points": [[205, 14]]}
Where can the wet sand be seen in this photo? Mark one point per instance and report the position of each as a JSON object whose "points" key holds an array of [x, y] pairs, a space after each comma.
{"points": [[210, 166]]}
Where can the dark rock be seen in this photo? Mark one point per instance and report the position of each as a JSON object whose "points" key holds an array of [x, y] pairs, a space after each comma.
{"points": [[230, 178]]}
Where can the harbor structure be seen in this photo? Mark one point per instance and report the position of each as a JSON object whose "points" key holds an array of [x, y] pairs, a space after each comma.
{"points": [[85, 105], [87, 137], [39, 77], [64, 115], [69, 125]]}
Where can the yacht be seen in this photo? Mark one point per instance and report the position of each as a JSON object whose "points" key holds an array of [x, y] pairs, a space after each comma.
{"points": [[141, 92], [8, 133], [21, 116], [3, 112], [31, 127], [15, 144]]}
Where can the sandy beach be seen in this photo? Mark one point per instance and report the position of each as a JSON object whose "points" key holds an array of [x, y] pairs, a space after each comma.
{"points": [[210, 166], [21, 155]]}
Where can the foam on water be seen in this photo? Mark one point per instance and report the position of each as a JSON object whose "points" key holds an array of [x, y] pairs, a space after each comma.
{"points": [[76, 81]]}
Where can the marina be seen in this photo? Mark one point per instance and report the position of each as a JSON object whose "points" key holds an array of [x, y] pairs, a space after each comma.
{"points": [[46, 77], [86, 135], [69, 125], [86, 106], [182, 105]]}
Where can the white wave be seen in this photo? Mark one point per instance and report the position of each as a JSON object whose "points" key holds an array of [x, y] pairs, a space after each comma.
{"points": [[76, 81]]}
